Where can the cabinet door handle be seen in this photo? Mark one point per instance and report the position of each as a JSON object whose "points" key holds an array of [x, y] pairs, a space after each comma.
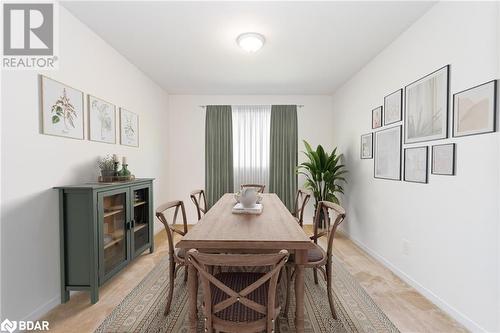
{"points": [[127, 225], [132, 222]]}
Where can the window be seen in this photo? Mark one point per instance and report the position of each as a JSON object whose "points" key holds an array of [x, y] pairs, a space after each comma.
{"points": [[251, 142]]}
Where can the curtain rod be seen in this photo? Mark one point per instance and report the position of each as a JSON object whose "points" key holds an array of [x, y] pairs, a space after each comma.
{"points": [[298, 105]]}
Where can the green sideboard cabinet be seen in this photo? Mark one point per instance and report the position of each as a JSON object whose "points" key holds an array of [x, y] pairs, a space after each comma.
{"points": [[103, 227]]}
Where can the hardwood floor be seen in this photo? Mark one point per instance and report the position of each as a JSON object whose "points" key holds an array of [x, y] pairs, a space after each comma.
{"points": [[404, 306]]}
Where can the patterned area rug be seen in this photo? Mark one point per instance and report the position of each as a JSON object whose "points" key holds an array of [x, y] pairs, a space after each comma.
{"points": [[142, 309]]}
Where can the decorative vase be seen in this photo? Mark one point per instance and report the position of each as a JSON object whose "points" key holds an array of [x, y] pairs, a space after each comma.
{"points": [[124, 172]]}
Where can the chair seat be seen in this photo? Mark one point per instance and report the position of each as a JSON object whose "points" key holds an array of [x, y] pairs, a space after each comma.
{"points": [[313, 255], [237, 281]]}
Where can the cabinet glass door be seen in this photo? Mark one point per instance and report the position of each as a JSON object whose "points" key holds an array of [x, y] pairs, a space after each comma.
{"points": [[114, 231], [140, 224]]}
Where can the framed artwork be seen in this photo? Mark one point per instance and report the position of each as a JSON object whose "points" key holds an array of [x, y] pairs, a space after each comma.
{"points": [[387, 163], [426, 107], [102, 120], [474, 110], [416, 166], [62, 109], [129, 128], [443, 159], [393, 107], [377, 117], [367, 146]]}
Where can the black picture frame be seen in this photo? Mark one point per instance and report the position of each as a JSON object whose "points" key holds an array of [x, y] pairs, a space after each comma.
{"points": [[400, 152], [400, 91], [405, 113], [361, 147], [381, 116], [454, 160], [426, 165], [495, 108]]}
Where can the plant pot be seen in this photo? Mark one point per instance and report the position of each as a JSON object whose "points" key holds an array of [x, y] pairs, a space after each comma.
{"points": [[322, 220], [107, 173]]}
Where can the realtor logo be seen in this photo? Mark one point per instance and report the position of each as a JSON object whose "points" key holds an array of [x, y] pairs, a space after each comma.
{"points": [[8, 326], [29, 35], [28, 29]]}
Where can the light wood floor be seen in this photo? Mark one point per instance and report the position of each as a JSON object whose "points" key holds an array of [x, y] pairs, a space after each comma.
{"points": [[404, 306]]}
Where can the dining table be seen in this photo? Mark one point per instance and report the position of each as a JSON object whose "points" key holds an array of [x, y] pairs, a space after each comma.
{"points": [[274, 229]]}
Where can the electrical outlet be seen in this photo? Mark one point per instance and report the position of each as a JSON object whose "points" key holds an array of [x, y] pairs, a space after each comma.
{"points": [[406, 247]]}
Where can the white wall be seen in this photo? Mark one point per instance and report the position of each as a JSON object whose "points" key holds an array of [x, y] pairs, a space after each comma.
{"points": [[186, 133], [452, 223], [33, 163]]}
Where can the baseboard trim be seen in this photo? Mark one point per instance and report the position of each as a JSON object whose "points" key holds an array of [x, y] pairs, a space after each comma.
{"points": [[443, 305], [43, 310]]}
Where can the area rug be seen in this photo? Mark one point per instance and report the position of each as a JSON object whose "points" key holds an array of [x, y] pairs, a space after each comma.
{"points": [[142, 309]]}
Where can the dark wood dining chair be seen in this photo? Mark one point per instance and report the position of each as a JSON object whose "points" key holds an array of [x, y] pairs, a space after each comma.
{"points": [[318, 259], [300, 204], [258, 187], [197, 197], [177, 257], [240, 302]]}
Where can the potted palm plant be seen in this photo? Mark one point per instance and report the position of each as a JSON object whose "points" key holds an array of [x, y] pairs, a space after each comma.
{"points": [[324, 173]]}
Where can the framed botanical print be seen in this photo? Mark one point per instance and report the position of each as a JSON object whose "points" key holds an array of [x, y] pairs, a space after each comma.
{"points": [[377, 117], [129, 128], [416, 166], [426, 107], [474, 110], [393, 107], [443, 159], [387, 164], [62, 109], [367, 146], [102, 120]]}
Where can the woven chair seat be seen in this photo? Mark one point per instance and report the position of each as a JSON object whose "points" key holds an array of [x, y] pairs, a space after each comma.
{"points": [[238, 312], [313, 255]]}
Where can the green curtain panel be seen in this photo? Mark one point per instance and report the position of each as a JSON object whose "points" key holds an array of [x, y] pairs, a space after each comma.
{"points": [[283, 153], [218, 152]]}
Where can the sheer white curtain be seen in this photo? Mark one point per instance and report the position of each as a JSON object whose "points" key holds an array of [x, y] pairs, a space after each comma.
{"points": [[251, 133]]}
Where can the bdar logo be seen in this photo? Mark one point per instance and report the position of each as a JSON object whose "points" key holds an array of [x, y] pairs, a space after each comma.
{"points": [[9, 326], [28, 29]]}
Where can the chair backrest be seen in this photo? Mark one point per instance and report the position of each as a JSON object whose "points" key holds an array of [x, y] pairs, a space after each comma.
{"points": [[161, 214], [300, 204], [197, 197], [329, 211], [204, 262], [258, 187]]}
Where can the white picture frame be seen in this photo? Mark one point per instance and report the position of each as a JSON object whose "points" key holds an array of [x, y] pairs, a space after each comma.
{"points": [[416, 165], [102, 120], [387, 153], [393, 107], [129, 128], [475, 109], [366, 146], [444, 159], [426, 107], [62, 109]]}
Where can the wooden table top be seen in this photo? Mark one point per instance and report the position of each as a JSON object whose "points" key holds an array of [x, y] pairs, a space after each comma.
{"points": [[274, 228]]}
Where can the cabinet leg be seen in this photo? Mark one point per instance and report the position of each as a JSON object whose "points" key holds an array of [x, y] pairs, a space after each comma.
{"points": [[151, 249], [64, 296], [94, 295]]}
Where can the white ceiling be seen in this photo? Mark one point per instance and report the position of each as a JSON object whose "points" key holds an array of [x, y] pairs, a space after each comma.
{"points": [[190, 48]]}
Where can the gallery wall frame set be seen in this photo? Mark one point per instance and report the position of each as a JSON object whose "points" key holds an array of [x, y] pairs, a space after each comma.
{"points": [[426, 107], [475, 110], [367, 146], [393, 107], [444, 159], [62, 114], [377, 117], [387, 153], [416, 166]]}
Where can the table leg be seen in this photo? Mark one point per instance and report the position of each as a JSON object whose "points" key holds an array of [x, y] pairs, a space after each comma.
{"points": [[300, 260], [192, 298]]}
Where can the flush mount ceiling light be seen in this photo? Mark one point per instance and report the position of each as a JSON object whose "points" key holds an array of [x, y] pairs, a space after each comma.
{"points": [[250, 41]]}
